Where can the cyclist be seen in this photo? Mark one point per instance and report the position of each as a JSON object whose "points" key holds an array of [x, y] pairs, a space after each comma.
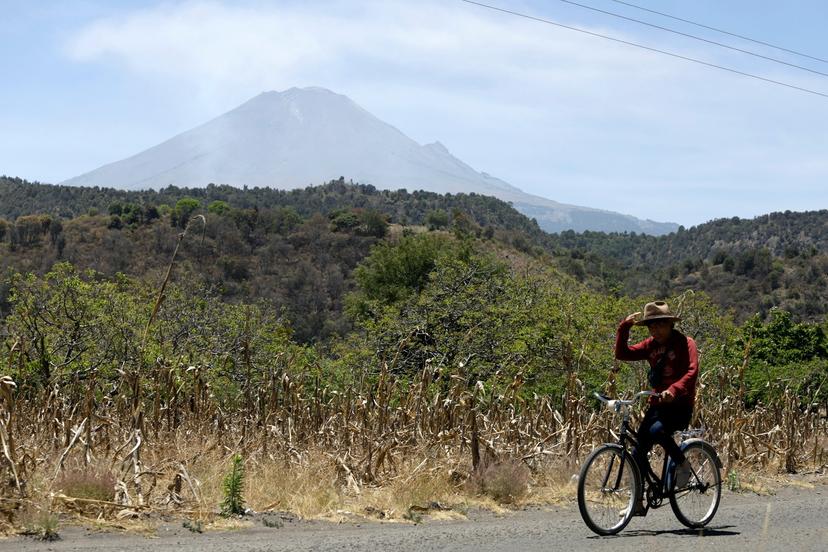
{"points": [[674, 368]]}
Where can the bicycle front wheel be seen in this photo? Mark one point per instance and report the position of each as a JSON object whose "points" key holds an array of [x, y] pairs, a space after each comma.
{"points": [[695, 503], [607, 489]]}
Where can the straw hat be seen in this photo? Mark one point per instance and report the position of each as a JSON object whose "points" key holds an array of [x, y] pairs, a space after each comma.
{"points": [[657, 310]]}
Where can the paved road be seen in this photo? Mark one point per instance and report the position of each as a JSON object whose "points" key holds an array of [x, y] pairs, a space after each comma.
{"points": [[792, 520]]}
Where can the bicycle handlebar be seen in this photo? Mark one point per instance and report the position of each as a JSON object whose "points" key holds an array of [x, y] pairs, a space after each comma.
{"points": [[616, 404]]}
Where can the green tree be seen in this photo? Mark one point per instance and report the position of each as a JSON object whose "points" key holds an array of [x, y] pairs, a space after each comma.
{"points": [[437, 219], [781, 341], [218, 207], [343, 220], [784, 354], [372, 223], [151, 213], [184, 208], [116, 208], [285, 220], [393, 271]]}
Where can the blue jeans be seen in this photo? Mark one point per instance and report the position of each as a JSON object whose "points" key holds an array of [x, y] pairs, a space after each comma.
{"points": [[658, 426]]}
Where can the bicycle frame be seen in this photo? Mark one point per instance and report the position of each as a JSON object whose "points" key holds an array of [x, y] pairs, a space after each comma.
{"points": [[654, 488]]}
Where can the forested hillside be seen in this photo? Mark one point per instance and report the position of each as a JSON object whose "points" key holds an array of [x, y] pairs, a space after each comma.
{"points": [[19, 197], [295, 250], [750, 266], [747, 266]]}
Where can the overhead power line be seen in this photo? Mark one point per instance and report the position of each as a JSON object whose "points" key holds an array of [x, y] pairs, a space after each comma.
{"points": [[694, 37], [648, 48], [708, 27]]}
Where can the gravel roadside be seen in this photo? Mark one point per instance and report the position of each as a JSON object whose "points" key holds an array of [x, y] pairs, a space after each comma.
{"points": [[792, 519]]}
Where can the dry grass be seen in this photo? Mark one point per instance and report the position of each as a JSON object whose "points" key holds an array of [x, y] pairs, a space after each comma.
{"points": [[87, 482], [427, 490], [505, 481], [228, 524], [308, 488], [145, 526], [39, 521], [553, 484]]}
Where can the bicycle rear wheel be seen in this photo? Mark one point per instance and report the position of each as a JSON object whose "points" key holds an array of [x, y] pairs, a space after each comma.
{"points": [[696, 503], [607, 489]]}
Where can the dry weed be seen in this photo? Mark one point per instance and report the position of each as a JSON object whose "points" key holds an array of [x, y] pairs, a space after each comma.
{"points": [[505, 481], [425, 491], [553, 483], [308, 487], [87, 482]]}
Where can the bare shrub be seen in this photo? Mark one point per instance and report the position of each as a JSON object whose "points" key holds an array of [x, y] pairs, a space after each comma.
{"points": [[92, 483], [506, 481]]}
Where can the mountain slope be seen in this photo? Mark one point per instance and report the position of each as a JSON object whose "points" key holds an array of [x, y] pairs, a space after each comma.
{"points": [[19, 198], [747, 265], [302, 137], [295, 249]]}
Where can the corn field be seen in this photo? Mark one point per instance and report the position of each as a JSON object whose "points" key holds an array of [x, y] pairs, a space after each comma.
{"points": [[368, 432]]}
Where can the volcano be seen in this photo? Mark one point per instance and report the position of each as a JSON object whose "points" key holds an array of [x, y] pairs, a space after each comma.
{"points": [[308, 136]]}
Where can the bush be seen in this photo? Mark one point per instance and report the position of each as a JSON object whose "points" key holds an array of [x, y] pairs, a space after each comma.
{"points": [[437, 219], [505, 481], [218, 207], [394, 271], [42, 526], [87, 483], [184, 209]]}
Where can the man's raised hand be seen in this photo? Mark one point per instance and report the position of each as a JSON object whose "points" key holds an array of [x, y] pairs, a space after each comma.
{"points": [[632, 316]]}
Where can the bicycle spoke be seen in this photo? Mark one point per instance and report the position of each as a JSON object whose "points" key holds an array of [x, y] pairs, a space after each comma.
{"points": [[695, 504], [606, 490]]}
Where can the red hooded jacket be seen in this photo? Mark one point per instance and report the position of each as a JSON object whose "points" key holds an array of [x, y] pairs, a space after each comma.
{"points": [[681, 369]]}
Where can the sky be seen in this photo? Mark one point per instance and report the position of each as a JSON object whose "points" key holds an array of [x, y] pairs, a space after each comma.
{"points": [[557, 113]]}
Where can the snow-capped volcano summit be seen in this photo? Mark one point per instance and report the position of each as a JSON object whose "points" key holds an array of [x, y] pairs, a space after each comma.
{"points": [[307, 136]]}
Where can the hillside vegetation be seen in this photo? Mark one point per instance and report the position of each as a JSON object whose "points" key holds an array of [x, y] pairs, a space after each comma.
{"points": [[334, 259], [295, 250], [746, 266]]}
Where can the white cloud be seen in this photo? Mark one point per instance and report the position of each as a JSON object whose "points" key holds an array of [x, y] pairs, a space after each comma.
{"points": [[451, 45], [558, 113]]}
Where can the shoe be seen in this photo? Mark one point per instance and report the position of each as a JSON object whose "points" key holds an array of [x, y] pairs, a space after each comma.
{"points": [[640, 510], [683, 473]]}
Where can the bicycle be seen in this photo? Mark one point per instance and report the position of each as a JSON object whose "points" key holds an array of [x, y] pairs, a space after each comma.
{"points": [[610, 482]]}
